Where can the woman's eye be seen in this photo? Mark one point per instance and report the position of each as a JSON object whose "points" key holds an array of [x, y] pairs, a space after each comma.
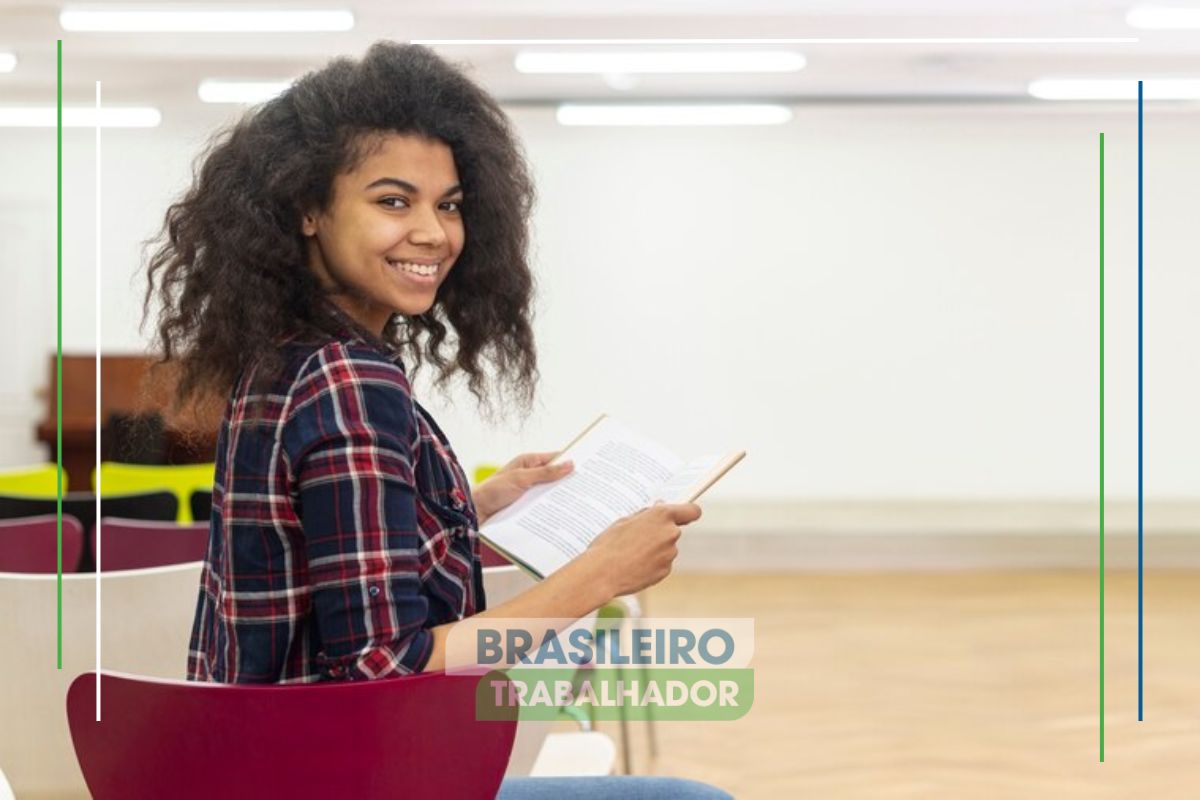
{"points": [[391, 202], [456, 203]]}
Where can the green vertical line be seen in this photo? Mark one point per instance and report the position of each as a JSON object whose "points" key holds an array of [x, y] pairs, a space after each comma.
{"points": [[58, 364], [1101, 447]]}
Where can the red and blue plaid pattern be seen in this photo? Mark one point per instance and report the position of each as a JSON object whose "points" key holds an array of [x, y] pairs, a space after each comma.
{"points": [[342, 527]]}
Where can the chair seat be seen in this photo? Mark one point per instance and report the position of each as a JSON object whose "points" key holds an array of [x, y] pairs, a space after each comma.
{"points": [[575, 753]]}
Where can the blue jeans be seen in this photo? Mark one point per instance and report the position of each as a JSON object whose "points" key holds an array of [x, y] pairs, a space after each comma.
{"points": [[608, 787]]}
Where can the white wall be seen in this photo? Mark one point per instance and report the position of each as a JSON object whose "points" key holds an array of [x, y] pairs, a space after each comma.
{"points": [[874, 302]]}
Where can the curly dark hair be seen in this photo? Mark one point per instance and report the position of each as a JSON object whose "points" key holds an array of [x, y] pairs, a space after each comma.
{"points": [[230, 271]]}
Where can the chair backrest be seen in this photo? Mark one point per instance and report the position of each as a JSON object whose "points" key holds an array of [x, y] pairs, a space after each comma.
{"points": [[500, 584], [147, 621], [201, 504], [485, 471], [415, 736], [30, 544], [179, 479], [504, 583], [491, 557], [160, 505], [40, 480], [138, 544], [82, 506]]}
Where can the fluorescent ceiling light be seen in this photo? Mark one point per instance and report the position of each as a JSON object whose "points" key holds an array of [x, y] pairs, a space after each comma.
{"points": [[714, 61], [908, 40], [8, 62], [79, 117], [214, 91], [1163, 18], [1115, 89], [612, 114], [124, 21]]}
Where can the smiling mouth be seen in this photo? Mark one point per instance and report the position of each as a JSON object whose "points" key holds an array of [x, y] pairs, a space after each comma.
{"points": [[413, 268], [425, 276]]}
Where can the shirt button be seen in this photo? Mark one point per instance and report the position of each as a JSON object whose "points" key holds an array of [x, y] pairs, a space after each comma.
{"points": [[374, 590]]}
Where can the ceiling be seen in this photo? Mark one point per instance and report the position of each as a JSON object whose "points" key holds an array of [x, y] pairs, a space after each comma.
{"points": [[165, 69]]}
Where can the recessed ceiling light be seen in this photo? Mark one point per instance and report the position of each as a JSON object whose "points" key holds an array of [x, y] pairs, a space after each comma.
{"points": [[1163, 18], [665, 62], [79, 117], [1115, 89], [215, 91], [8, 62], [645, 114], [86, 18]]}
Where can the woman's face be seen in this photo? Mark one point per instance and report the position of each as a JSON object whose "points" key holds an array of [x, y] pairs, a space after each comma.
{"points": [[392, 231]]}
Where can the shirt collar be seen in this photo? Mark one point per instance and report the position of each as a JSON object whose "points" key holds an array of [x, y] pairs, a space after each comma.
{"points": [[346, 329]]}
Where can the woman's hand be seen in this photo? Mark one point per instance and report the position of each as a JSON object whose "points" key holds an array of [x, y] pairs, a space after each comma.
{"points": [[507, 484], [639, 550]]}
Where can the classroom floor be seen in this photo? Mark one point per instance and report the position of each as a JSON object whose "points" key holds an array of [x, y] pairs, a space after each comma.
{"points": [[946, 685]]}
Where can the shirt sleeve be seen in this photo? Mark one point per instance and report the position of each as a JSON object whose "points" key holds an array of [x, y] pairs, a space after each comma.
{"points": [[351, 439]]}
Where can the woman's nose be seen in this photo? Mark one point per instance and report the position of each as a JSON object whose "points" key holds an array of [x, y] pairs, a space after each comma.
{"points": [[426, 229]]}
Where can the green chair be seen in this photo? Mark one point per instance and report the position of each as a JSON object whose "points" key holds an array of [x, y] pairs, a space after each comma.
{"points": [[179, 479], [34, 481], [622, 609]]}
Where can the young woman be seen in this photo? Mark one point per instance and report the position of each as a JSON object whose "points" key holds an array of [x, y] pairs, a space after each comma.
{"points": [[330, 239]]}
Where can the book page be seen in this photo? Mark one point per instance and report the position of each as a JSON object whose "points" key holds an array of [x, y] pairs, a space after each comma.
{"points": [[678, 489], [695, 477], [617, 472]]}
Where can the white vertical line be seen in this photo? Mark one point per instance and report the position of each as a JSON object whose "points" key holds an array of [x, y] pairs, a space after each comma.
{"points": [[99, 421]]}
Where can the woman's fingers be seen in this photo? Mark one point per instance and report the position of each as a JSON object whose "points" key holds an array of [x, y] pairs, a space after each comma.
{"points": [[552, 472]]}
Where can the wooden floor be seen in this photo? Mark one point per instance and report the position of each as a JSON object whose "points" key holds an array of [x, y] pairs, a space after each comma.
{"points": [[946, 685]]}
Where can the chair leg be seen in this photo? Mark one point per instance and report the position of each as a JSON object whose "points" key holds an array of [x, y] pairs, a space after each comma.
{"points": [[617, 610], [651, 733], [626, 757], [651, 736]]}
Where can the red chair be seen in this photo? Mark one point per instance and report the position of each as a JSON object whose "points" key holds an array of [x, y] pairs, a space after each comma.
{"points": [[82, 505], [415, 736], [30, 544], [490, 557], [137, 544]]}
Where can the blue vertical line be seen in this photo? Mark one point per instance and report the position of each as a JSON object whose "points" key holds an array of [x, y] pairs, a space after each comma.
{"points": [[1141, 529]]}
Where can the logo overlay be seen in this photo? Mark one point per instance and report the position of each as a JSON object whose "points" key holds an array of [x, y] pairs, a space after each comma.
{"points": [[606, 668]]}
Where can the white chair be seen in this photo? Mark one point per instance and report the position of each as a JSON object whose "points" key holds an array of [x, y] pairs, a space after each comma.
{"points": [[147, 621], [537, 751], [501, 584], [5, 790], [575, 754]]}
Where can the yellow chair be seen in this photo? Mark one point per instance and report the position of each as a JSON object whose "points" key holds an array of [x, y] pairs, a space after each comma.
{"points": [[36, 481], [180, 479], [485, 471]]}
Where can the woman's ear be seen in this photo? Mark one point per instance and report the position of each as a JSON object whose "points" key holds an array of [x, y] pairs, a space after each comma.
{"points": [[308, 224]]}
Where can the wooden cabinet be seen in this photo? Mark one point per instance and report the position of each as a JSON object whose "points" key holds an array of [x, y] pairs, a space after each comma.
{"points": [[127, 388]]}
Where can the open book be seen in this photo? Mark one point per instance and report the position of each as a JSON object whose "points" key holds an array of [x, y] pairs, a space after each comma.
{"points": [[617, 473]]}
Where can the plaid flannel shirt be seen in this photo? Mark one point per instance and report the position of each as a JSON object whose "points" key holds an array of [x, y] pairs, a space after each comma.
{"points": [[340, 532]]}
